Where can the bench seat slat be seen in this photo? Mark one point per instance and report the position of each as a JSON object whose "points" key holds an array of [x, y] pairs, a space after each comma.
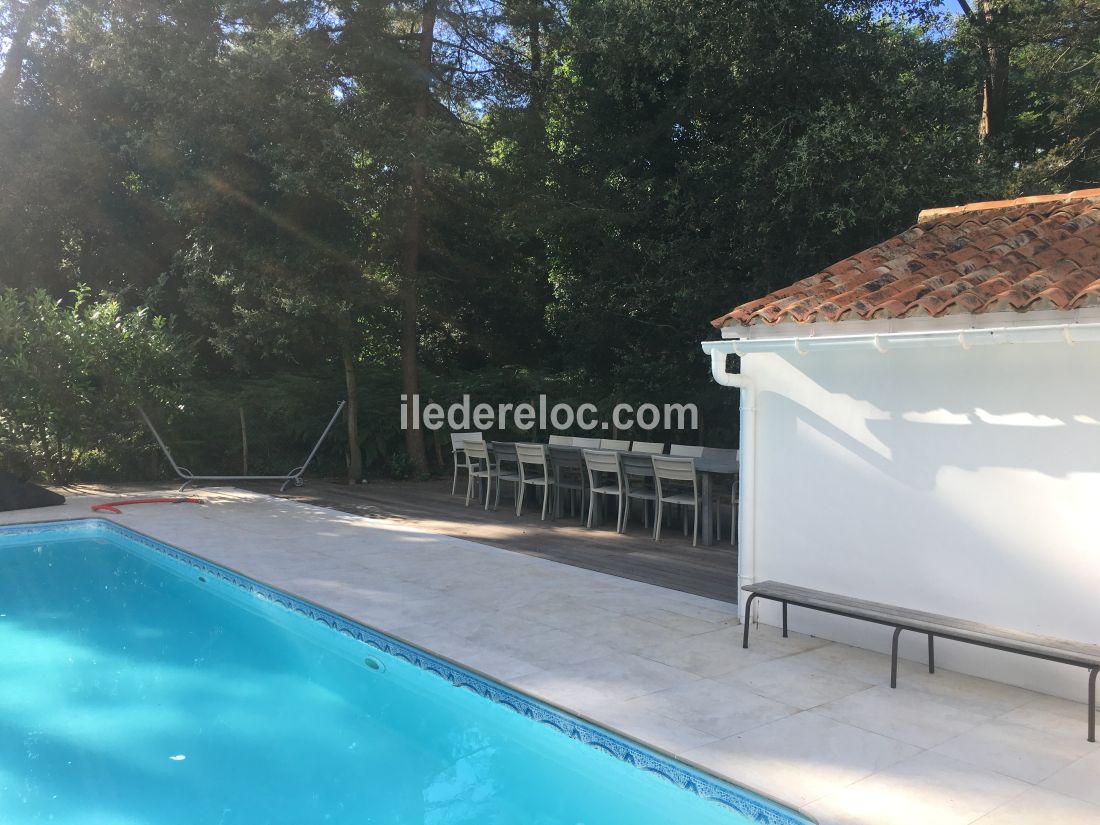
{"points": [[1045, 646]]}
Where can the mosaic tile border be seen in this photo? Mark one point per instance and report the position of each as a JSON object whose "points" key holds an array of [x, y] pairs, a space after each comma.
{"points": [[744, 802]]}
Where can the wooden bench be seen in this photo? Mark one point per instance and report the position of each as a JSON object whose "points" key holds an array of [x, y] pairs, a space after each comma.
{"points": [[932, 625]]}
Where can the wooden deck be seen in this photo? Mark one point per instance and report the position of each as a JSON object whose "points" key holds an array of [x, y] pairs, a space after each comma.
{"points": [[671, 562]]}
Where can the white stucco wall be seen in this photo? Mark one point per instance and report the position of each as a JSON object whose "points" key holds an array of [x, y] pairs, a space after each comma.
{"points": [[958, 481]]}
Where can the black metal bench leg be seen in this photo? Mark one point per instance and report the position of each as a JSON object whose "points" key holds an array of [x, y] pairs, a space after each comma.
{"points": [[784, 620], [748, 619], [931, 654], [1092, 703], [894, 658]]}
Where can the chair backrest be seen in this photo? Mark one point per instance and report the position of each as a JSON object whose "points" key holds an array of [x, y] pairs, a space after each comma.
{"points": [[578, 441], [647, 447], [636, 465], [458, 440], [614, 444], [531, 454], [476, 449], [562, 440], [602, 461], [563, 458], [685, 449], [721, 452], [673, 468], [504, 450]]}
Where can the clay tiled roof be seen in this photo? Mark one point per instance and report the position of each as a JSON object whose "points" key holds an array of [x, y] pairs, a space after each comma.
{"points": [[1041, 252]]}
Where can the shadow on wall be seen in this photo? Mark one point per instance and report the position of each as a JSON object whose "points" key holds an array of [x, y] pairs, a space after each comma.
{"points": [[912, 413], [957, 481]]}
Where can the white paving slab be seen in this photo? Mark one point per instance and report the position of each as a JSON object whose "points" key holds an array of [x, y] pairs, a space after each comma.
{"points": [[808, 722]]}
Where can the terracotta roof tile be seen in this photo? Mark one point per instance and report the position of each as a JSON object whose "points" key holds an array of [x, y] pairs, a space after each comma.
{"points": [[1039, 252]]}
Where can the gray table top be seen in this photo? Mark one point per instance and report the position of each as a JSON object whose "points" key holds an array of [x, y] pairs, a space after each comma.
{"points": [[720, 464]]}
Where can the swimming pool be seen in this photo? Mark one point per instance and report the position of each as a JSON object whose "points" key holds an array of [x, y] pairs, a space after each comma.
{"points": [[142, 684]]}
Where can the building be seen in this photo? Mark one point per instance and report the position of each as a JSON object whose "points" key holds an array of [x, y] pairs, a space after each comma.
{"points": [[921, 426]]}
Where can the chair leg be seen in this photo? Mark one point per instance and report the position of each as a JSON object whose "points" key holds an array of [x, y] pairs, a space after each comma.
{"points": [[626, 516], [545, 499], [620, 516], [591, 507], [496, 499], [733, 520], [519, 498], [489, 489], [454, 484], [695, 532], [660, 515]]}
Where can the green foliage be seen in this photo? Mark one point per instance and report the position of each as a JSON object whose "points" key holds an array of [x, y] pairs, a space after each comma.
{"points": [[601, 177], [72, 373]]}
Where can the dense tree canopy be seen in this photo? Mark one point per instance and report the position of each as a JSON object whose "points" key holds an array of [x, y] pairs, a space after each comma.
{"points": [[370, 197]]}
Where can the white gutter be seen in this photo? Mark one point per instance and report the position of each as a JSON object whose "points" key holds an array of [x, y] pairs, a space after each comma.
{"points": [[967, 337], [746, 480]]}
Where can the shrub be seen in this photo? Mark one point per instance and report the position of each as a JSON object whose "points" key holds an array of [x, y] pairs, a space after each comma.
{"points": [[70, 375]]}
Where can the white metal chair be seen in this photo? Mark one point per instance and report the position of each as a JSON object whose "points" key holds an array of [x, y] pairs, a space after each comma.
{"points": [[479, 465], [569, 478], [533, 456], [637, 485], [720, 499], [604, 463], [562, 440], [504, 453], [580, 441], [614, 444], [685, 450], [458, 449], [654, 447], [672, 475]]}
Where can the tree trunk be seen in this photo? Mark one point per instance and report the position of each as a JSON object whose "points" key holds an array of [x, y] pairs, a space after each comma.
{"points": [[355, 453], [994, 93], [414, 227], [535, 42], [995, 42], [244, 443], [19, 48]]}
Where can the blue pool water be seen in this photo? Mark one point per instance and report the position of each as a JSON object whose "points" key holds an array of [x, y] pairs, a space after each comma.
{"points": [[142, 685]]}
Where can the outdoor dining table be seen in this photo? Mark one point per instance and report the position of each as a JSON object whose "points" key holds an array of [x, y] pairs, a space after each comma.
{"points": [[707, 466]]}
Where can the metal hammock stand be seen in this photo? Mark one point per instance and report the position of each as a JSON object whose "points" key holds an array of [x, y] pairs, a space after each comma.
{"points": [[293, 477]]}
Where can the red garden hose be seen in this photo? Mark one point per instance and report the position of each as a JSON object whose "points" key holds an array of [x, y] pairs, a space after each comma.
{"points": [[112, 506]]}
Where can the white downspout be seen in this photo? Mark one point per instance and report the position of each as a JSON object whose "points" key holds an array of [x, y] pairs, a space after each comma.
{"points": [[746, 492]]}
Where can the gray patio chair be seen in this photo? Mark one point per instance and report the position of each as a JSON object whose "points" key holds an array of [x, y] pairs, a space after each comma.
{"points": [[458, 454], [603, 463], [720, 499], [614, 444], [562, 440], [637, 485], [655, 447], [534, 470], [672, 475], [507, 465], [579, 441], [685, 450], [480, 466], [569, 477]]}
